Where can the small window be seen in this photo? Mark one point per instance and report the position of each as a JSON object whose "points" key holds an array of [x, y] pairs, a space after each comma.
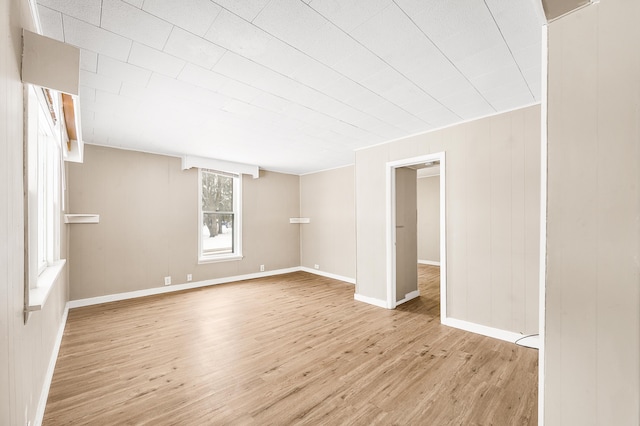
{"points": [[219, 233]]}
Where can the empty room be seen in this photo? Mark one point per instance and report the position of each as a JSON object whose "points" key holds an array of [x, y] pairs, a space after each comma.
{"points": [[320, 212]]}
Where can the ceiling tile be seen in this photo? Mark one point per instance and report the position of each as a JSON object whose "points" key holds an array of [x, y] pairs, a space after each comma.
{"points": [[155, 60], [100, 82], [124, 19], [291, 21], [136, 3], [88, 60], [87, 36], [51, 23], [203, 78], [85, 10], [195, 16], [238, 90], [360, 64], [192, 48], [239, 36], [122, 71], [171, 88], [349, 14], [247, 9]]}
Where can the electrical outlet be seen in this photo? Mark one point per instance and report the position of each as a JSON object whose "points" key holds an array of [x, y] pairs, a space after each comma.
{"points": [[189, 277], [316, 266], [261, 268], [167, 280]]}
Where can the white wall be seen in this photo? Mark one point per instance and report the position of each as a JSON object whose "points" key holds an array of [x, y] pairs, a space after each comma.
{"points": [[25, 350], [592, 355], [329, 241], [493, 217]]}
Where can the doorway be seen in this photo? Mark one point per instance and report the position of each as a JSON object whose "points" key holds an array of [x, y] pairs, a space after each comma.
{"points": [[402, 229]]}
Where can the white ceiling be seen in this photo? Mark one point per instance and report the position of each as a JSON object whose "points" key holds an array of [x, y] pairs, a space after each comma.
{"points": [[293, 85]]}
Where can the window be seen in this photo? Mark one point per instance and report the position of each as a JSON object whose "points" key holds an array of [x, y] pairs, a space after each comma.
{"points": [[220, 218], [43, 180], [48, 182]]}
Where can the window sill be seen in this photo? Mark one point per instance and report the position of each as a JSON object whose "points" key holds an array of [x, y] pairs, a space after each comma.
{"points": [[217, 259], [38, 296]]}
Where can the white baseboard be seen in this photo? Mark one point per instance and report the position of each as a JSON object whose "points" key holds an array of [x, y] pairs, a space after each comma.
{"points": [[484, 330], [328, 275], [428, 262], [172, 288], [48, 377], [371, 301], [408, 296]]}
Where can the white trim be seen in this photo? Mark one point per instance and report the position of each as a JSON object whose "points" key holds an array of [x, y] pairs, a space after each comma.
{"points": [[428, 262], [328, 170], [48, 377], [391, 229], [484, 330], [190, 161], [543, 226], [38, 296], [457, 123], [328, 275], [172, 288], [370, 300], [409, 296]]}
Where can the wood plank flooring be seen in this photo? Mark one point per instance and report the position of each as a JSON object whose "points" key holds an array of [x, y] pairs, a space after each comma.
{"points": [[289, 349]]}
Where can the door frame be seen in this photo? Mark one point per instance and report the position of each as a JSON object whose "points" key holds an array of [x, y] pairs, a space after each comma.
{"points": [[391, 167]]}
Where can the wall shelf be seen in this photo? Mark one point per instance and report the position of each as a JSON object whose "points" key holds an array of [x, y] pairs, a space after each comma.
{"points": [[299, 220], [82, 218]]}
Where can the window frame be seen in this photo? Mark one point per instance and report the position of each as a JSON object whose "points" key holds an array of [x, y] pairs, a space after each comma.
{"points": [[236, 254], [44, 195]]}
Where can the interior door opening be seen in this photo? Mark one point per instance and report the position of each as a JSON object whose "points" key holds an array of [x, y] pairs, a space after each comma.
{"points": [[416, 253]]}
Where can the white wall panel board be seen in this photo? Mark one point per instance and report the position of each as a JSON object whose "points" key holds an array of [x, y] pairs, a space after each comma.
{"points": [[85, 10], [195, 16], [476, 64], [192, 48], [239, 90], [87, 36], [361, 64], [109, 102], [183, 90], [284, 59], [131, 22], [87, 94], [291, 21], [330, 45], [238, 35], [51, 23], [155, 60], [122, 71], [349, 14], [239, 68], [100, 82], [248, 9], [203, 78], [88, 60], [136, 3], [318, 76]]}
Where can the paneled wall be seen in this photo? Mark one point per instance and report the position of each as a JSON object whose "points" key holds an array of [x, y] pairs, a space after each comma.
{"points": [[148, 226], [429, 219], [493, 217], [592, 367], [25, 350], [329, 241]]}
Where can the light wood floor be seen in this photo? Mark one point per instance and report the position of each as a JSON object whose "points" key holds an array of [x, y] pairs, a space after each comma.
{"points": [[290, 349]]}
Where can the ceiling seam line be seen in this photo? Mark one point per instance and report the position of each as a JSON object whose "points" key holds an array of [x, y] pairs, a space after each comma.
{"points": [[443, 54], [509, 47], [387, 63], [334, 70]]}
